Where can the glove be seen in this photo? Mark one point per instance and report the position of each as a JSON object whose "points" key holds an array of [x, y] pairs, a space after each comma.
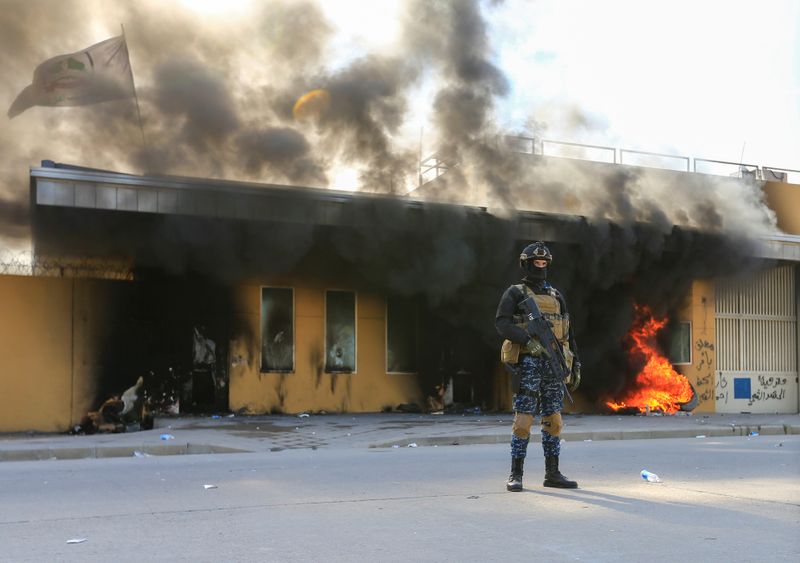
{"points": [[533, 347], [574, 380]]}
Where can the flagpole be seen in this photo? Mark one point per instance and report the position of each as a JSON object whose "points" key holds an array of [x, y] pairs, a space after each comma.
{"points": [[136, 98]]}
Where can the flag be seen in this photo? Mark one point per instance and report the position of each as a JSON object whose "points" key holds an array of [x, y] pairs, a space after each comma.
{"points": [[99, 73]]}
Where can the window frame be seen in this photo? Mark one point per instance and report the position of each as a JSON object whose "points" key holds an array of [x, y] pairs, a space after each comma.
{"points": [[325, 332], [261, 330], [691, 354]]}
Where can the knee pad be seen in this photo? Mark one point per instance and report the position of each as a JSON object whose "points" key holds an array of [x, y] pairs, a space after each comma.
{"points": [[552, 424], [522, 425]]}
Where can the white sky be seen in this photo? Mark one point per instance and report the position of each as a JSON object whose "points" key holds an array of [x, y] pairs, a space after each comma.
{"points": [[702, 78], [707, 79]]}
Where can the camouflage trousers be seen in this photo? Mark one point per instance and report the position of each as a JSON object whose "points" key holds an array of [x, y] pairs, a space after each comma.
{"points": [[540, 394]]}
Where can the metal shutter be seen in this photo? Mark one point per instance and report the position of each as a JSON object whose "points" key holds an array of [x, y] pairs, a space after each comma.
{"points": [[756, 323]]}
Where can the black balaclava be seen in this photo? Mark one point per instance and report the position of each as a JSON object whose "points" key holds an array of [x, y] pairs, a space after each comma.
{"points": [[534, 274], [537, 251]]}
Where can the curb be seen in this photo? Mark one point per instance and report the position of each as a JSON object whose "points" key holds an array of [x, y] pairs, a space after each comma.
{"points": [[40, 454], [602, 435], [98, 452]]}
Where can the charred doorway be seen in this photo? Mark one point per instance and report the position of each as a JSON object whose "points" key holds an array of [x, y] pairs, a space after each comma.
{"points": [[175, 334]]}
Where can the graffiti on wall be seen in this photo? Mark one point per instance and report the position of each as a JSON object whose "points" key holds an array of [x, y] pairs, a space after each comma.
{"points": [[704, 367], [759, 389]]}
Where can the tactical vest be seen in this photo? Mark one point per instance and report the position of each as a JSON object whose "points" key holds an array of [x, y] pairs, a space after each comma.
{"points": [[550, 307]]}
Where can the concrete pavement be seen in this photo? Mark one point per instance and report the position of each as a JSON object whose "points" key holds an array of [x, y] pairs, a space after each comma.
{"points": [[234, 433]]}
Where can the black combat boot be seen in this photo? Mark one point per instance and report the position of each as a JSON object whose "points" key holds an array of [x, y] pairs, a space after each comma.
{"points": [[515, 479], [553, 477]]}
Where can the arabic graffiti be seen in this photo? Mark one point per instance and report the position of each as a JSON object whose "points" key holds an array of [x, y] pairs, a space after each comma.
{"points": [[704, 366], [766, 388]]}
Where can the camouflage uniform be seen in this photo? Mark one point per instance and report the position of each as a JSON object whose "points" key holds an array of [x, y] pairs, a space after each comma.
{"points": [[537, 390], [540, 393]]}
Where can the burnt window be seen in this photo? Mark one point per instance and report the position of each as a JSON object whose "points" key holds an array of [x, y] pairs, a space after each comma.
{"points": [[401, 336], [277, 329], [340, 331], [680, 344]]}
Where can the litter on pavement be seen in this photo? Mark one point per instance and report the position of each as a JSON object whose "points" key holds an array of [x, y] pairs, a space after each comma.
{"points": [[650, 477]]}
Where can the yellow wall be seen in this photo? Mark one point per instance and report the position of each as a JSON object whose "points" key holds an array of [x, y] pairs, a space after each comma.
{"points": [[50, 333], [35, 353], [701, 373], [90, 323], [370, 389], [51, 330], [784, 199]]}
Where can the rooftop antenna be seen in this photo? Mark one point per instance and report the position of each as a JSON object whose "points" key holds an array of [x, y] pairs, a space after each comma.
{"points": [[742, 170]]}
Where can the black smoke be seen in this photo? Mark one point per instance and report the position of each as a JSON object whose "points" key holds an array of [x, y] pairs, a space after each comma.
{"points": [[611, 268], [14, 219], [283, 149]]}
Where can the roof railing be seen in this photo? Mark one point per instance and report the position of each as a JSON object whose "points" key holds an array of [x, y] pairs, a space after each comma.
{"points": [[548, 142], [744, 170], [432, 167], [775, 174], [623, 152]]}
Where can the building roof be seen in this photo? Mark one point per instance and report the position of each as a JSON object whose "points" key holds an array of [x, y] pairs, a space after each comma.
{"points": [[67, 187], [70, 187]]}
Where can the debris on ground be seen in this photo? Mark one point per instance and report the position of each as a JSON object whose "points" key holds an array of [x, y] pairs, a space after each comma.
{"points": [[119, 413], [650, 477]]}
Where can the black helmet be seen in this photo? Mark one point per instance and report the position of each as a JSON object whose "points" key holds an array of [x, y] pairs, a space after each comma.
{"points": [[535, 251]]}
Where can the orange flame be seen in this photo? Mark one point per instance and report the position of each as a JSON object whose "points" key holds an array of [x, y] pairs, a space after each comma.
{"points": [[657, 386]]}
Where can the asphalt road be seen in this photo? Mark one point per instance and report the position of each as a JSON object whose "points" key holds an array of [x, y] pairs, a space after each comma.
{"points": [[721, 499]]}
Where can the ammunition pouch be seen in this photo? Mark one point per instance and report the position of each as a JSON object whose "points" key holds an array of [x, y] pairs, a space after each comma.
{"points": [[509, 352]]}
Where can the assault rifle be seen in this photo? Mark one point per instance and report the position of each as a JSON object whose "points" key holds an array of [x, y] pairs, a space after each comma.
{"points": [[542, 329]]}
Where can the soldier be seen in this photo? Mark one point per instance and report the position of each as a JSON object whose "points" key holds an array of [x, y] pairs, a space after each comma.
{"points": [[536, 389]]}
